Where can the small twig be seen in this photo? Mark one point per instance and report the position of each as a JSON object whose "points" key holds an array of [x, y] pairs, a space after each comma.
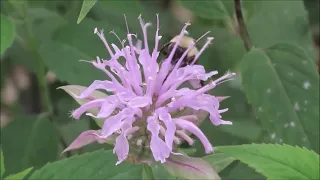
{"points": [[242, 26]]}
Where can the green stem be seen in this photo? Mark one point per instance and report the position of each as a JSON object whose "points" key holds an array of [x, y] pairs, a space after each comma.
{"points": [[149, 171], [32, 46], [40, 67], [242, 26], [44, 90]]}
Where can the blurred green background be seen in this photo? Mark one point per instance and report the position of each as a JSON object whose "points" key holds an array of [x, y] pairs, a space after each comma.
{"points": [[47, 40]]}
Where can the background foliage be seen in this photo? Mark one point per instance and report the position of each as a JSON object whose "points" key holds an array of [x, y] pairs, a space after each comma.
{"points": [[274, 99]]}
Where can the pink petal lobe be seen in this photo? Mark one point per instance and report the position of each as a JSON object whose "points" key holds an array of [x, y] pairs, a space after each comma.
{"points": [[139, 101], [158, 147], [170, 126], [196, 131]]}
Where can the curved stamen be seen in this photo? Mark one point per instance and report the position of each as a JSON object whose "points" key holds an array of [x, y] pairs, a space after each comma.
{"points": [[103, 39], [178, 40], [209, 39]]}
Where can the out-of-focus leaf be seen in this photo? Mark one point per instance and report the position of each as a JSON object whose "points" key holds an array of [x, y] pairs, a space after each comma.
{"points": [[45, 23], [28, 142], [83, 38], [282, 84], [289, 18], [238, 107], [2, 169], [244, 129], [74, 43], [280, 21], [95, 165], [20, 175], [206, 8], [190, 168], [218, 161], [63, 60], [7, 30], [277, 161], [86, 6], [112, 12], [17, 2], [313, 8]]}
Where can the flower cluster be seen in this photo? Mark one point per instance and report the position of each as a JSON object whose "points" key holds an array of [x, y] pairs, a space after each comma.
{"points": [[149, 105]]}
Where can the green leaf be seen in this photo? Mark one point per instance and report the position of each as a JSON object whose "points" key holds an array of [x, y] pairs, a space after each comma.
{"points": [[290, 18], [63, 60], [188, 151], [20, 175], [243, 129], [218, 161], [95, 165], [238, 107], [282, 84], [74, 43], [44, 23], [86, 6], [207, 8], [7, 30], [190, 168], [2, 169], [276, 161], [313, 11], [17, 2], [112, 12], [18, 5], [28, 142], [241, 171], [159, 172]]}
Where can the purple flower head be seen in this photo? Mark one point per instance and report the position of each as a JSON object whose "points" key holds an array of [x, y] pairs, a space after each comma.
{"points": [[148, 105]]}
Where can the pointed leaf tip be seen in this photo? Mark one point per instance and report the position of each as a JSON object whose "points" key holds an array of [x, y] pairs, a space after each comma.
{"points": [[86, 6]]}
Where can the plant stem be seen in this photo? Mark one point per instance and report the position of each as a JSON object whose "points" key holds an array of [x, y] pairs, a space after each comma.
{"points": [[40, 67], [44, 90], [242, 26], [149, 171], [46, 105]]}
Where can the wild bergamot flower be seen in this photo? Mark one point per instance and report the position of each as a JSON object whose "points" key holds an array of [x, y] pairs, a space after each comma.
{"points": [[148, 106]]}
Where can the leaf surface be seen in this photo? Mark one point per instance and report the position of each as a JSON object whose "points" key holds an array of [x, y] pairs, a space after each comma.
{"points": [[282, 84], [276, 161], [94, 165]]}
